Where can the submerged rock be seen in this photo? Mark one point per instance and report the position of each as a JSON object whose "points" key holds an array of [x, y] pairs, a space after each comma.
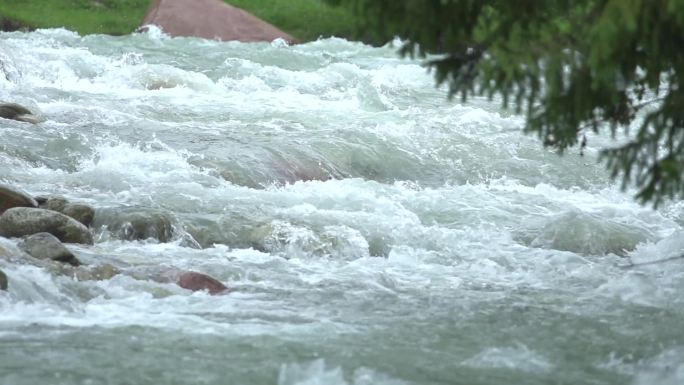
{"points": [[583, 233], [17, 112], [52, 203], [293, 240], [47, 246], [21, 221], [11, 197], [3, 281], [85, 273], [99, 272], [80, 212], [136, 223], [194, 281]]}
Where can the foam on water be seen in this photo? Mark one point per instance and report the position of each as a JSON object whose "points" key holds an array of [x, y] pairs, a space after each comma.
{"points": [[373, 232], [316, 373]]}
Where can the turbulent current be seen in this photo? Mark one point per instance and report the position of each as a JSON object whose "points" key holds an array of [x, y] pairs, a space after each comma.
{"points": [[372, 231]]}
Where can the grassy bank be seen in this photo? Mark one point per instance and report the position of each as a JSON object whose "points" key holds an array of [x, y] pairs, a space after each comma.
{"points": [[304, 19], [116, 17]]}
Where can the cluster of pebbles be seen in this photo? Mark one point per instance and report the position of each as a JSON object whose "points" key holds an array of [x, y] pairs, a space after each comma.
{"points": [[44, 227]]}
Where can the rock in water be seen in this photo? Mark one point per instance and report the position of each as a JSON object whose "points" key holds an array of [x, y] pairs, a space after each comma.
{"points": [[85, 273], [136, 223], [21, 221], [191, 280], [3, 281], [11, 197], [47, 246], [98, 273], [52, 203], [17, 112], [80, 212]]}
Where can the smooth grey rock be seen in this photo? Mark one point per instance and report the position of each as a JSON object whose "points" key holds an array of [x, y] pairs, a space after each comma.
{"points": [[135, 223], [98, 273], [84, 273], [3, 281], [47, 246], [80, 212], [54, 204], [21, 221], [11, 197], [17, 112]]}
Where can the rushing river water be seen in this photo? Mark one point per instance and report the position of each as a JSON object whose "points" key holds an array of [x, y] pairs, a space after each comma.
{"points": [[373, 232]]}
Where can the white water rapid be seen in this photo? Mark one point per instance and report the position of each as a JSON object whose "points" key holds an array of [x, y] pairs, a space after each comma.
{"points": [[372, 231]]}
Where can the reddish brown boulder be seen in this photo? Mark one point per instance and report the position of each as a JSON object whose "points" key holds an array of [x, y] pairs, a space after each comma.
{"points": [[210, 19], [11, 197], [197, 281]]}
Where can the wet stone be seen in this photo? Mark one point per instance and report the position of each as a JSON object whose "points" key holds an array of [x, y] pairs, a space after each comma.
{"points": [[18, 112], [80, 212], [54, 203], [136, 223], [21, 221], [47, 246], [96, 273], [3, 281]]}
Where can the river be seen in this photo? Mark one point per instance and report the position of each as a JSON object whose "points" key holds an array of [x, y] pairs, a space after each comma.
{"points": [[372, 231]]}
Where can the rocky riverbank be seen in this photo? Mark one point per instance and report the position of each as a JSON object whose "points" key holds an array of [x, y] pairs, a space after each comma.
{"points": [[43, 227]]}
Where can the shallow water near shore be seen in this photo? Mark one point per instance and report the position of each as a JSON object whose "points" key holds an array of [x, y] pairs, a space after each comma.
{"points": [[373, 232]]}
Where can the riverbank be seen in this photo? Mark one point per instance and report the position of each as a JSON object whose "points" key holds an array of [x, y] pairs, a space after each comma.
{"points": [[304, 19]]}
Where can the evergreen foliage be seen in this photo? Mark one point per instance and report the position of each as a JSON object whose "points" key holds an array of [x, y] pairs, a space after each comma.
{"points": [[569, 65]]}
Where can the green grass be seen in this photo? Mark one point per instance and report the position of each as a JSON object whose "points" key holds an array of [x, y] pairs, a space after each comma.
{"points": [[303, 19], [114, 17]]}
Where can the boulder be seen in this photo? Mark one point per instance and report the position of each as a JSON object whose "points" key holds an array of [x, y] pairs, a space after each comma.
{"points": [[98, 273], [52, 203], [11, 197], [80, 212], [210, 19], [17, 112], [21, 221], [85, 273], [136, 223], [47, 246], [194, 281], [3, 281]]}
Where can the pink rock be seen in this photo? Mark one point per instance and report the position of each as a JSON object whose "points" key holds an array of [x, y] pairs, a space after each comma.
{"points": [[11, 197], [197, 281], [210, 19]]}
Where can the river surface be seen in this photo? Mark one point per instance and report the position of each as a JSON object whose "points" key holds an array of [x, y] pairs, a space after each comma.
{"points": [[373, 232]]}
